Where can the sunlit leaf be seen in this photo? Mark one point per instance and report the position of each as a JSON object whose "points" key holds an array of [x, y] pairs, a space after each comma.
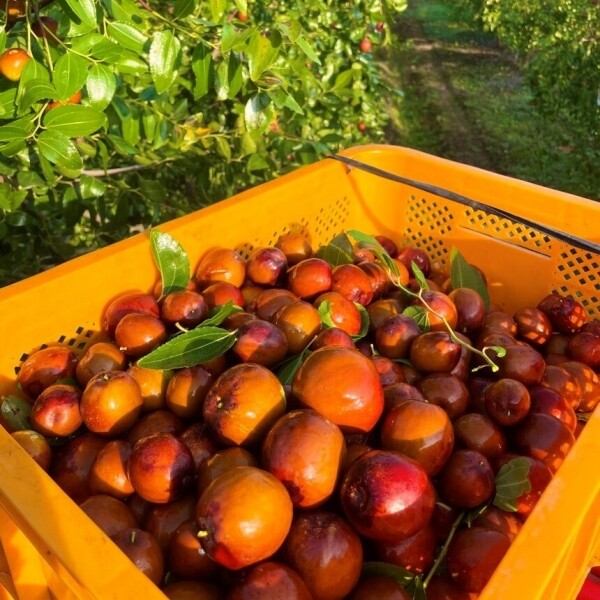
{"points": [[171, 260]]}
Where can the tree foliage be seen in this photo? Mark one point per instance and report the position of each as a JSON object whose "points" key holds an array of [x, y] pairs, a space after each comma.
{"points": [[131, 112]]}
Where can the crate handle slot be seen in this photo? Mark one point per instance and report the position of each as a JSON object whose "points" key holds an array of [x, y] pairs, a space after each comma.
{"points": [[475, 204]]}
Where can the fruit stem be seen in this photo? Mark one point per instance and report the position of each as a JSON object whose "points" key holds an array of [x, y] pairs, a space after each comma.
{"points": [[444, 550]]}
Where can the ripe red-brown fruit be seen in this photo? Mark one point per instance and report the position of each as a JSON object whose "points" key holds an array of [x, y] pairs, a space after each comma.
{"points": [[343, 312], [35, 445], [102, 356], [507, 402], [295, 246], [467, 480], [110, 514], [108, 474], [136, 302], [434, 352], [266, 266], [309, 278], [137, 334], [365, 45], [415, 553], [186, 307], [260, 342], [565, 314], [12, 63], [221, 264], [46, 367], [144, 552], [187, 390], [56, 411], [186, 557], [387, 496]]}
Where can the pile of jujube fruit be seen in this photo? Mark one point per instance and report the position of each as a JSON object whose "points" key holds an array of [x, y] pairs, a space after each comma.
{"points": [[341, 474]]}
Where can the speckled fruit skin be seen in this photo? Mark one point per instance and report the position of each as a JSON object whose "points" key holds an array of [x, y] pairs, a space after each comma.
{"points": [[387, 496]]}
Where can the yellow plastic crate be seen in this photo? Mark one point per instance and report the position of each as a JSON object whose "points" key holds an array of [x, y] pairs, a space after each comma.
{"points": [[50, 549]]}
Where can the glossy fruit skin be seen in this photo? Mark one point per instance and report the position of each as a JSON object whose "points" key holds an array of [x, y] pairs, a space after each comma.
{"points": [[222, 292], [544, 437], [136, 302], [111, 403], [153, 386], [395, 335], [101, 356], [163, 520], [548, 401], [380, 281], [344, 313], [243, 404], [343, 385], [434, 352], [186, 307], [475, 431], [473, 556], [221, 264], [397, 393], [244, 517], [388, 245], [110, 514], [467, 479], [35, 445], [72, 463], [380, 310], [300, 323], [309, 278], [565, 314], [499, 520], [409, 254], [56, 411], [390, 372], [533, 325], [333, 337], [108, 474], [507, 402], [269, 302], [266, 266], [326, 552], [44, 368], [500, 321], [186, 557], [352, 283], [158, 421], [198, 439], [304, 450], [470, 309], [585, 347], [295, 247], [219, 462], [74, 99], [260, 342], [415, 553], [192, 590], [160, 468], [522, 363], [271, 581], [565, 383], [378, 587], [143, 551], [12, 63], [441, 587], [365, 45], [387, 496], [442, 305], [420, 431], [187, 390], [589, 383], [138, 334], [446, 391]]}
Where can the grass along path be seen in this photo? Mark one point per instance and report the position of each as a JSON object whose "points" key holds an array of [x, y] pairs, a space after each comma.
{"points": [[464, 98]]}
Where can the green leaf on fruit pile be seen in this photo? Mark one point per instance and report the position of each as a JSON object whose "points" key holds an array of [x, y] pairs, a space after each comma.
{"points": [[365, 322], [419, 276], [512, 481], [16, 412], [339, 251], [219, 313], [383, 569], [369, 242], [286, 370], [419, 315], [59, 150], [191, 348], [164, 52], [172, 262], [262, 50], [462, 274], [74, 120], [416, 589], [324, 310], [70, 74]]}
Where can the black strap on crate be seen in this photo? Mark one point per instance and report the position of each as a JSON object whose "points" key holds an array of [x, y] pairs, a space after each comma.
{"points": [[474, 204]]}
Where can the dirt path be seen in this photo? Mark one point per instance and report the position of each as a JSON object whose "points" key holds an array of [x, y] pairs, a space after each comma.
{"points": [[441, 119]]}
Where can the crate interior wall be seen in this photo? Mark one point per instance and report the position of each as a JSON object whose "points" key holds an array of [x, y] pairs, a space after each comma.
{"points": [[53, 549]]}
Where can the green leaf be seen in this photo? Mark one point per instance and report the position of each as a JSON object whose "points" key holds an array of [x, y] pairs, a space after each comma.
{"points": [[419, 315], [368, 241], [2, 40], [258, 113], [171, 260], [286, 370], [191, 348], [338, 252], [84, 10], [8, 106], [201, 66], [218, 314], [307, 49], [35, 90], [262, 52], [101, 85], [217, 8], [127, 35], [73, 120], [33, 70], [234, 76], [163, 55], [223, 148], [419, 276], [365, 322], [512, 481], [383, 569], [282, 99], [91, 187], [16, 412], [256, 163], [121, 145], [184, 8], [234, 39], [59, 150], [291, 29], [324, 310], [13, 133], [462, 274], [70, 74], [343, 80]]}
